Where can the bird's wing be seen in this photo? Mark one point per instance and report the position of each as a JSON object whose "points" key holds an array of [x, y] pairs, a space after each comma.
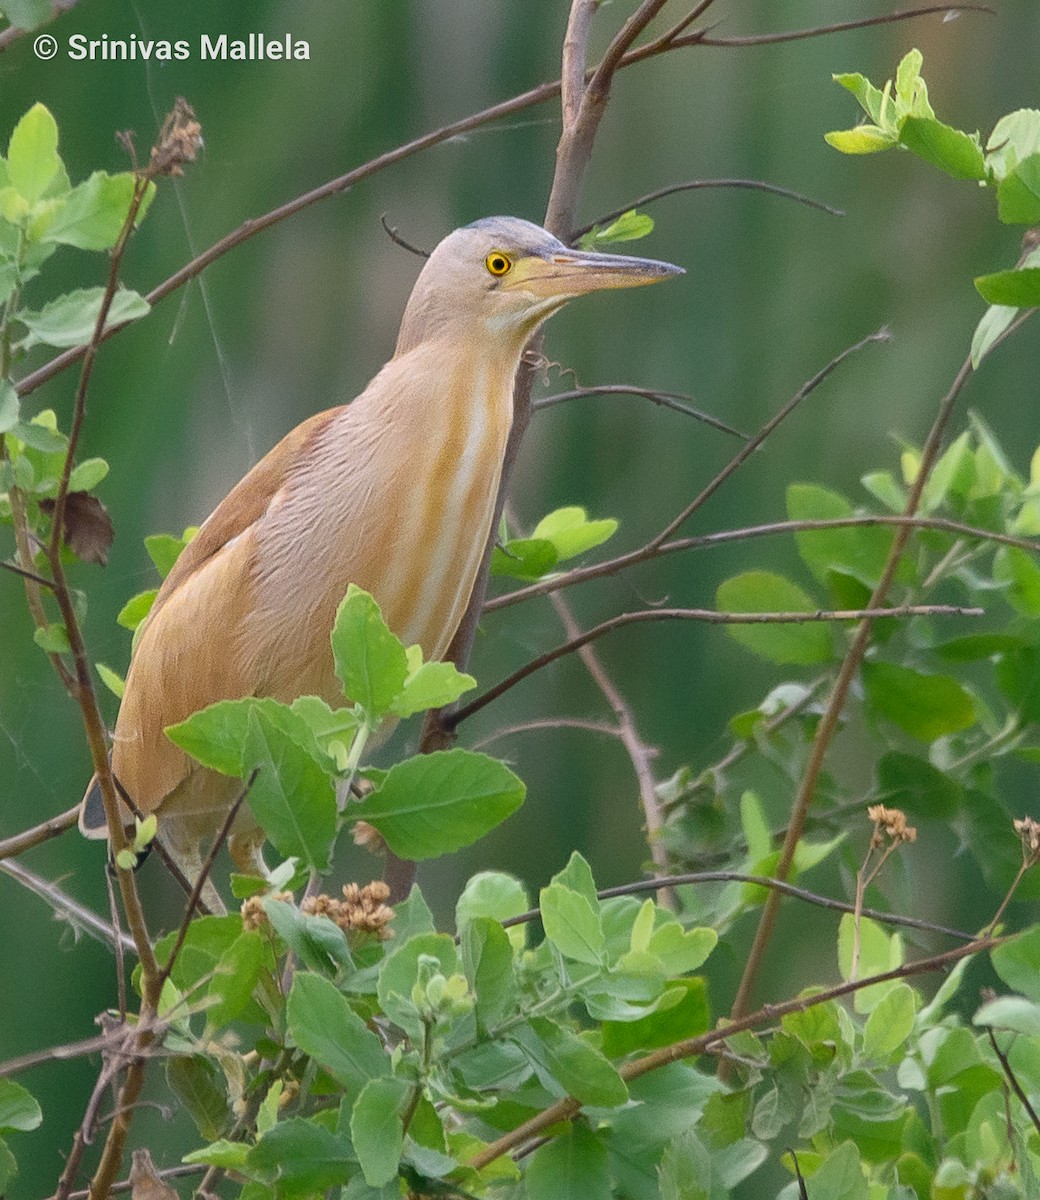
{"points": [[186, 657], [247, 501]]}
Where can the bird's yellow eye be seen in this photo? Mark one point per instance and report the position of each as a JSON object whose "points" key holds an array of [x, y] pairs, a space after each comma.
{"points": [[497, 262]]}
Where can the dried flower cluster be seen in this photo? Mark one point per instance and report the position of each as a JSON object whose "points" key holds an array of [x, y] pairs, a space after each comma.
{"points": [[890, 824], [179, 141], [1029, 831], [362, 909], [253, 915]]}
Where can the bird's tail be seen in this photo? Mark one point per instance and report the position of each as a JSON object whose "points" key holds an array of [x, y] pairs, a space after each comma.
{"points": [[92, 820]]}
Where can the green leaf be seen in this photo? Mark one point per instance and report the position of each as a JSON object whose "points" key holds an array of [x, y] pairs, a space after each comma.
{"points": [[1020, 574], [19, 1111], [911, 783], [763, 591], [879, 953], [437, 803], [841, 1176], [577, 875], [572, 533], [865, 92], [1012, 1013], [70, 320], [370, 662], [859, 551], [891, 1023], [216, 736], [400, 972], [229, 1155], [526, 559], [303, 1157], [498, 896], [882, 486], [87, 474], [41, 436], [1018, 193], [235, 977], [487, 959], [52, 638], [92, 215], [925, 706], [682, 950], [571, 1166], [569, 1065], [292, 797], [32, 154], [200, 1088], [863, 139], [164, 549], [1017, 962], [629, 227], [683, 1012], [1017, 674], [433, 685], [571, 923], [134, 611], [9, 408], [325, 1027], [1015, 137], [1015, 289], [315, 940], [376, 1129], [115, 683], [957, 153]]}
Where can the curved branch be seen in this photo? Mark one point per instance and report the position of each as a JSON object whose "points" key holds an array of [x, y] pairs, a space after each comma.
{"points": [[710, 616], [798, 35], [18, 843], [693, 185], [676, 401]]}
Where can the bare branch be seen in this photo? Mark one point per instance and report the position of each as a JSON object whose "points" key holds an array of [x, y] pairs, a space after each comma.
{"points": [[798, 35], [693, 185], [394, 236], [828, 725], [710, 616], [696, 878], [77, 915], [646, 553], [676, 401], [20, 842]]}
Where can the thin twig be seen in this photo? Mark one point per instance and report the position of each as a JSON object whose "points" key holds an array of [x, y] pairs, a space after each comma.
{"points": [[78, 915], [798, 35], [648, 552], [1012, 1079], [696, 878], [25, 573], [18, 843], [711, 616], [695, 185], [395, 237], [639, 753], [676, 401]]}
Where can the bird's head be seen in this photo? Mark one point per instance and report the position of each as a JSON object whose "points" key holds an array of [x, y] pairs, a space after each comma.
{"points": [[504, 276]]}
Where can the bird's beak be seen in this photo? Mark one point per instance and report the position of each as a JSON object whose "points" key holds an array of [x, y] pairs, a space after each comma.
{"points": [[574, 272]]}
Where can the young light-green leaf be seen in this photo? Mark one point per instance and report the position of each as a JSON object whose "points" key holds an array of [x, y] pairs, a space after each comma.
{"points": [[32, 153], [9, 407], [571, 923], [19, 1110], [70, 319], [1013, 289], [577, 1069], [951, 150], [572, 533], [434, 804], [764, 591], [92, 216], [371, 663], [433, 685]]}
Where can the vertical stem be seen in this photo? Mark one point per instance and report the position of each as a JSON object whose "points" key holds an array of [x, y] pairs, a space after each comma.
{"points": [[832, 714]]}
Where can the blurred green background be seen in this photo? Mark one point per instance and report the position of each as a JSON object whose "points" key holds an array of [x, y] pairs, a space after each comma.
{"points": [[302, 316]]}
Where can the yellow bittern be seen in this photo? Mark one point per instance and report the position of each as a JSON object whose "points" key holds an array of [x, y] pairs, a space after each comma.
{"points": [[394, 492]]}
